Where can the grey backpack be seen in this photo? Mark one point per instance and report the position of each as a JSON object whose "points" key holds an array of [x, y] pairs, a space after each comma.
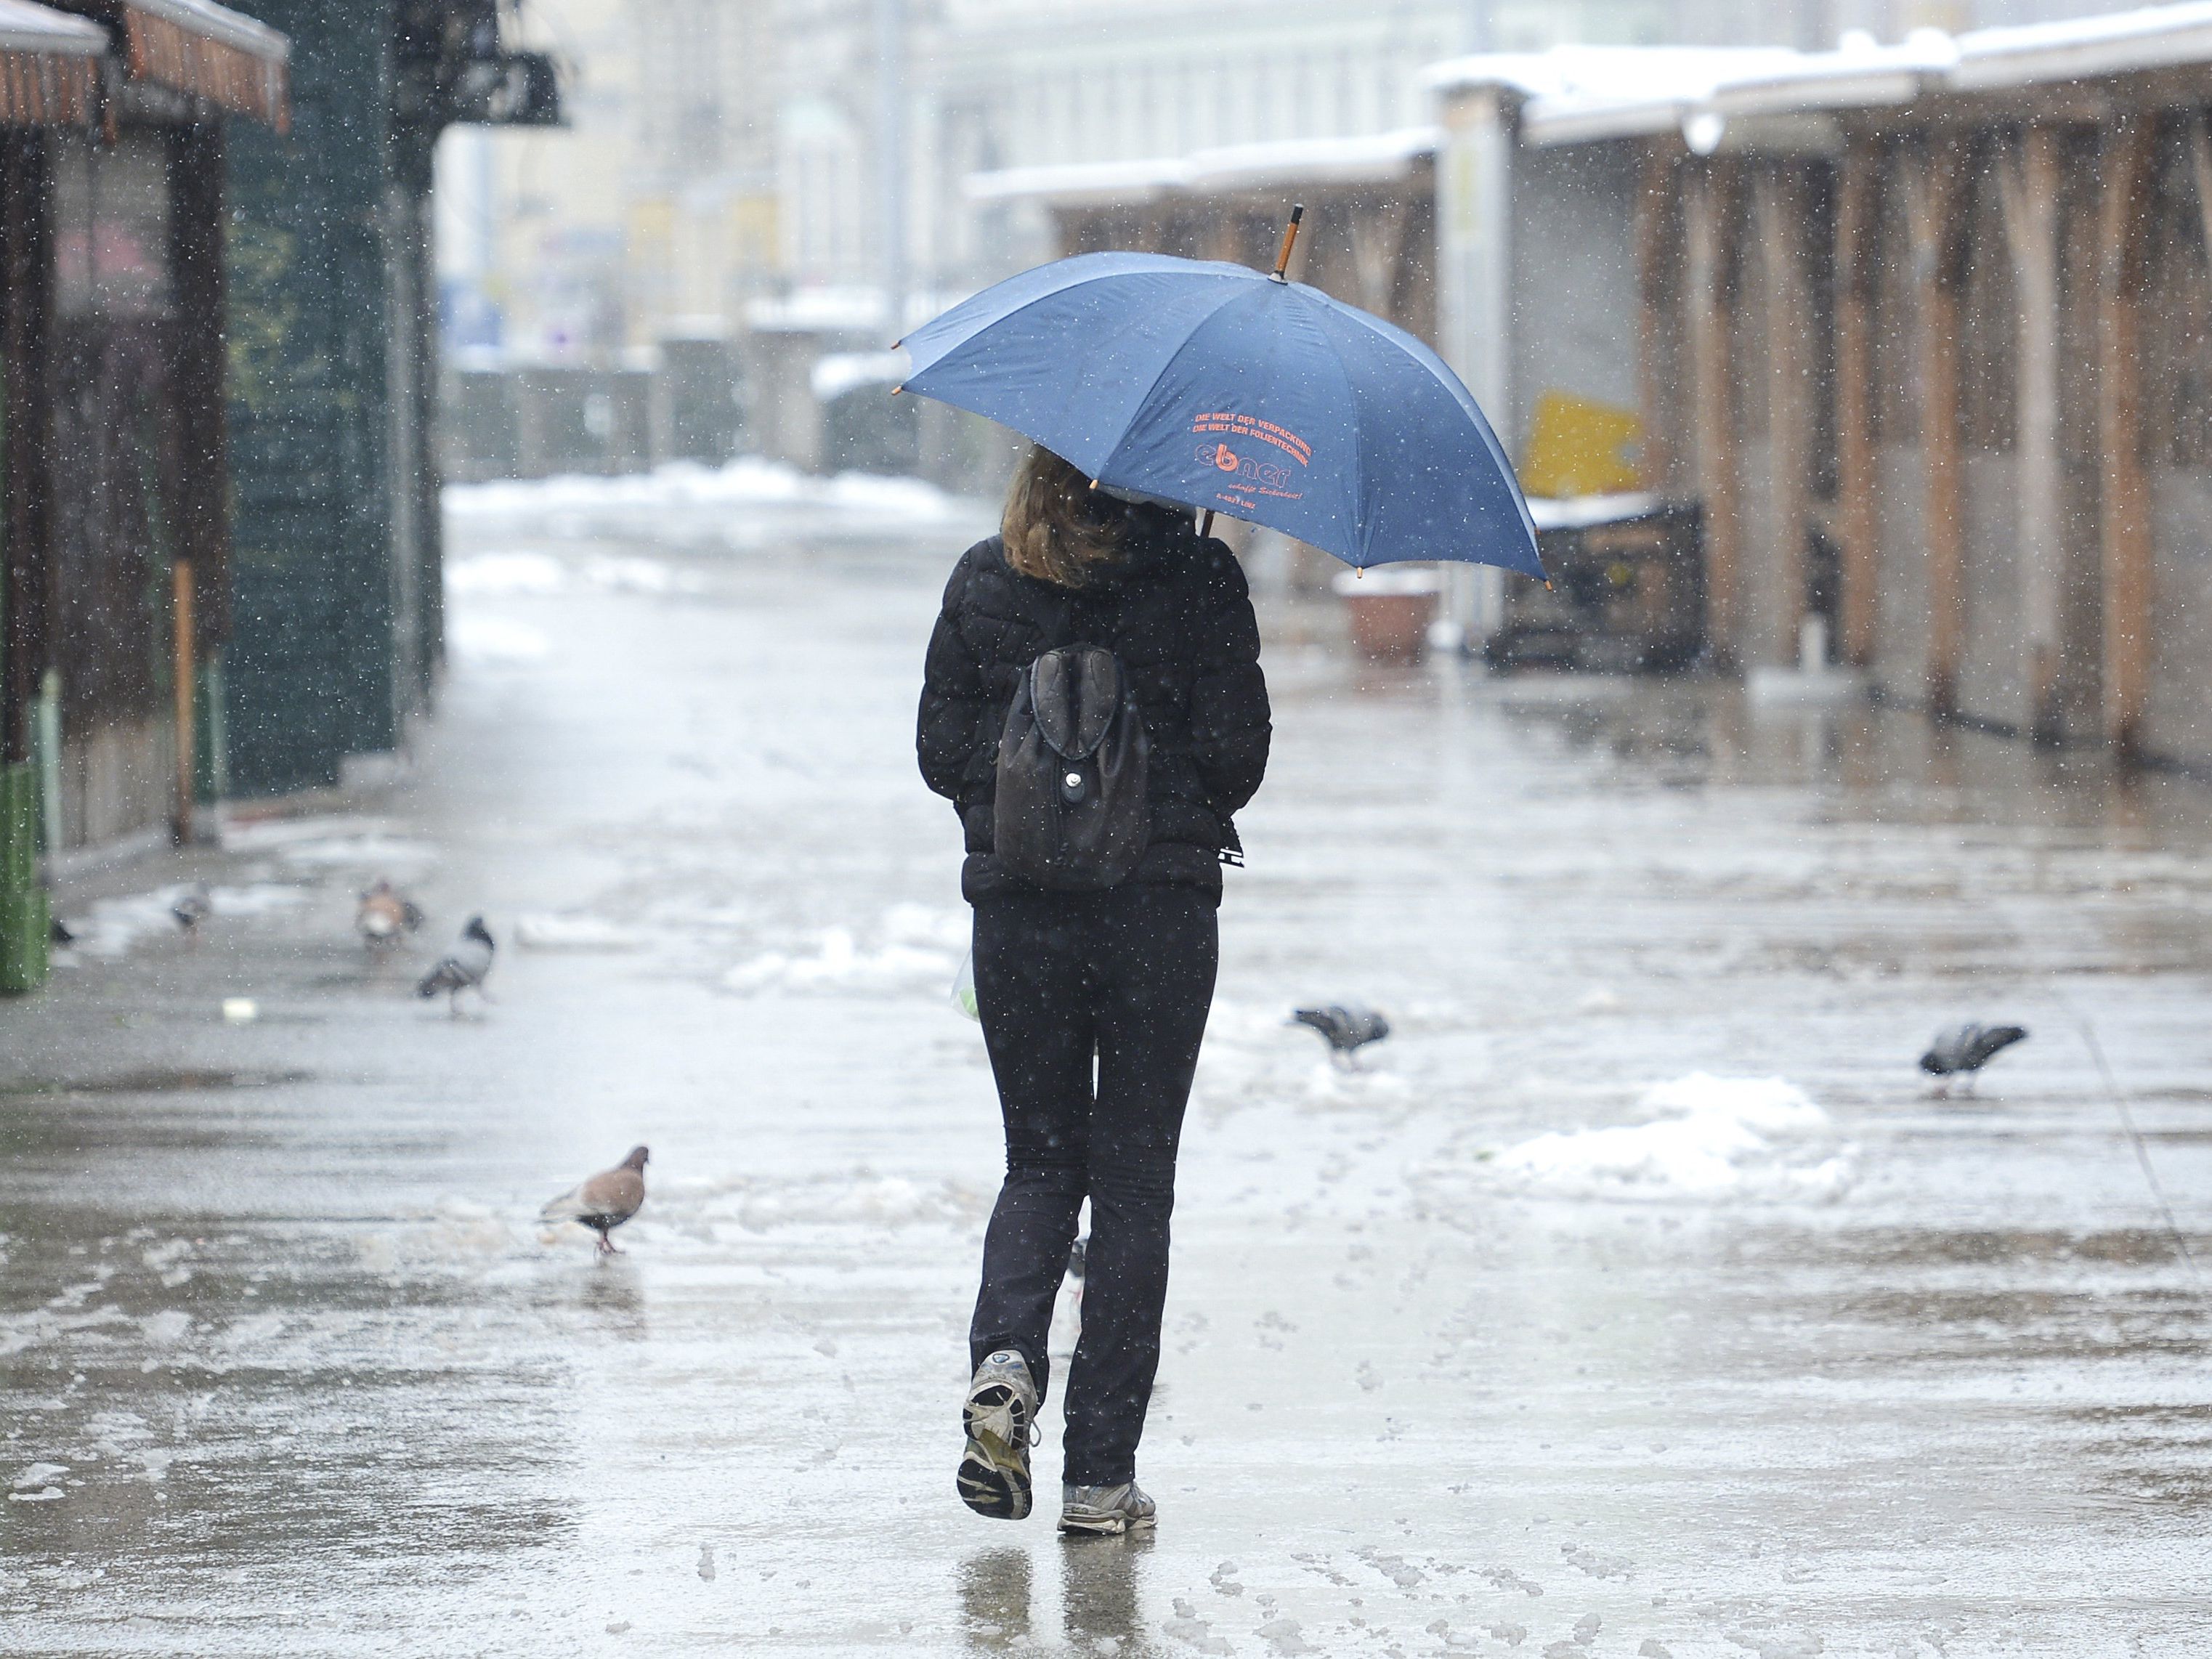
{"points": [[1072, 812]]}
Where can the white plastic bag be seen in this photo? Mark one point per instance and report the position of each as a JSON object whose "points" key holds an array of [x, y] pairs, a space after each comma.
{"points": [[963, 989]]}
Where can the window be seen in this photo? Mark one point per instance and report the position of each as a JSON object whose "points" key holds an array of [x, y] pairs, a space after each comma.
{"points": [[112, 226]]}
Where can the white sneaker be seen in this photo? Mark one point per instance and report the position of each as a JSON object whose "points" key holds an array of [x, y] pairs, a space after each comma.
{"points": [[1106, 1509], [1002, 1419]]}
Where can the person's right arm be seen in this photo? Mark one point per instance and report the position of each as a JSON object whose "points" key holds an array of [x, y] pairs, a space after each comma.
{"points": [[949, 728]]}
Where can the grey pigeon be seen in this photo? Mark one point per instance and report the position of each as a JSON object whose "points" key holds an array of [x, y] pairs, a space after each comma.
{"points": [[461, 969], [190, 908], [606, 1201], [385, 916], [1963, 1050], [1347, 1027]]}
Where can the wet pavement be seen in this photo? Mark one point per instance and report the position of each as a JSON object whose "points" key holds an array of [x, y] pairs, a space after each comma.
{"points": [[1635, 1298]]}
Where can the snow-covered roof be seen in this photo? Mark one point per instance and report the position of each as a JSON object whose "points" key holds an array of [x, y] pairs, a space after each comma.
{"points": [[1577, 94], [1858, 75], [1371, 158], [1573, 95], [2119, 43], [208, 21], [1599, 73], [28, 27], [836, 372], [1102, 181]]}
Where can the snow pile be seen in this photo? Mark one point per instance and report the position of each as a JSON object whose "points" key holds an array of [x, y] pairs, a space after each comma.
{"points": [[1703, 1136], [332, 842], [918, 948], [497, 576], [35, 1484], [748, 489], [749, 506], [838, 963], [863, 1198], [551, 929], [631, 575], [511, 573], [496, 642], [113, 926]]}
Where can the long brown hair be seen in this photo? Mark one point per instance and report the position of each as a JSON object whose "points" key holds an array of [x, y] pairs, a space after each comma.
{"points": [[1056, 527]]}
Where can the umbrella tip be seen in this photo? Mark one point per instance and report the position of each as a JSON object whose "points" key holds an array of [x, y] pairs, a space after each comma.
{"points": [[1290, 237], [900, 387]]}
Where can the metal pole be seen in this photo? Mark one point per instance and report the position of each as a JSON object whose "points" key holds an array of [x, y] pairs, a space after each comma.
{"points": [[181, 610], [891, 159]]}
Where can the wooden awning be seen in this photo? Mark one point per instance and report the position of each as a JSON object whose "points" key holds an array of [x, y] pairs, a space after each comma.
{"points": [[49, 65], [209, 51], [202, 49]]}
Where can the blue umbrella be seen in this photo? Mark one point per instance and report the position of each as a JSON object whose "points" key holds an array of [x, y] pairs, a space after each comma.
{"points": [[1231, 391]]}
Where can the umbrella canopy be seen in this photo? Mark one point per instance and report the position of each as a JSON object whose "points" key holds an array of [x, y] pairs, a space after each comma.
{"points": [[1225, 389]]}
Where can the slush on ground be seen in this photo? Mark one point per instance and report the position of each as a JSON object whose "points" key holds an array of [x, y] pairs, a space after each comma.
{"points": [[1636, 1296]]}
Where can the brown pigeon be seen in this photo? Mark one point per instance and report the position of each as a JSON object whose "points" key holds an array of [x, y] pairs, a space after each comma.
{"points": [[385, 917], [606, 1201]]}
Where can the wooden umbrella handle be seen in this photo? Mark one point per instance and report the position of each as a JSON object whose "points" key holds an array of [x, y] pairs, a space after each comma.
{"points": [[1289, 235]]}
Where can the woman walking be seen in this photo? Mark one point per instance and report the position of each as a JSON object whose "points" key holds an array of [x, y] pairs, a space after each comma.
{"points": [[1107, 637]]}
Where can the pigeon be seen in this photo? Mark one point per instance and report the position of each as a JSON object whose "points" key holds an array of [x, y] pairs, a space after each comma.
{"points": [[462, 967], [190, 908], [1347, 1027], [1963, 1050], [385, 917], [606, 1201]]}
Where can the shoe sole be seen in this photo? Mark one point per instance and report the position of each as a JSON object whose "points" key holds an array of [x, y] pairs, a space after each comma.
{"points": [[994, 1476], [1105, 1526]]}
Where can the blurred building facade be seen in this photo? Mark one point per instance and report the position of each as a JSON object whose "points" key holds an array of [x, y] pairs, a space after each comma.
{"points": [[755, 186]]}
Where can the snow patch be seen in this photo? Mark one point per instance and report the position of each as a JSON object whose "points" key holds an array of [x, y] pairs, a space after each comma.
{"points": [[1701, 1136], [167, 1327], [113, 926], [551, 930], [521, 571], [745, 481], [495, 641], [344, 841], [917, 948], [636, 575], [863, 1199]]}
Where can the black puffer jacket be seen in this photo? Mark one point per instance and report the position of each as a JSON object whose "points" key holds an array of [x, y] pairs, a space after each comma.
{"points": [[1177, 612]]}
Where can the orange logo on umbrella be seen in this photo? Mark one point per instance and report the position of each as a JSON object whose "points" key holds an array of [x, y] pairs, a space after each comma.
{"points": [[1225, 458]]}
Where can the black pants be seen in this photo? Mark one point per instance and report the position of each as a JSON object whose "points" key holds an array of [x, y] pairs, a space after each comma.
{"points": [[1123, 978]]}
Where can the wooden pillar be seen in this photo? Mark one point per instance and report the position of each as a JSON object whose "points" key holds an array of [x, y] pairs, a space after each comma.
{"points": [[1781, 211], [1857, 259], [198, 367], [2030, 182], [1936, 198], [2126, 158], [25, 364], [1711, 306], [1656, 291]]}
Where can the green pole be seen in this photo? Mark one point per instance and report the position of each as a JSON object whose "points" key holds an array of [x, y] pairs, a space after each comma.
{"points": [[26, 920]]}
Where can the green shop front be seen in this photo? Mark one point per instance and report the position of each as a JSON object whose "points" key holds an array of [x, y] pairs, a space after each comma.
{"points": [[114, 578]]}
